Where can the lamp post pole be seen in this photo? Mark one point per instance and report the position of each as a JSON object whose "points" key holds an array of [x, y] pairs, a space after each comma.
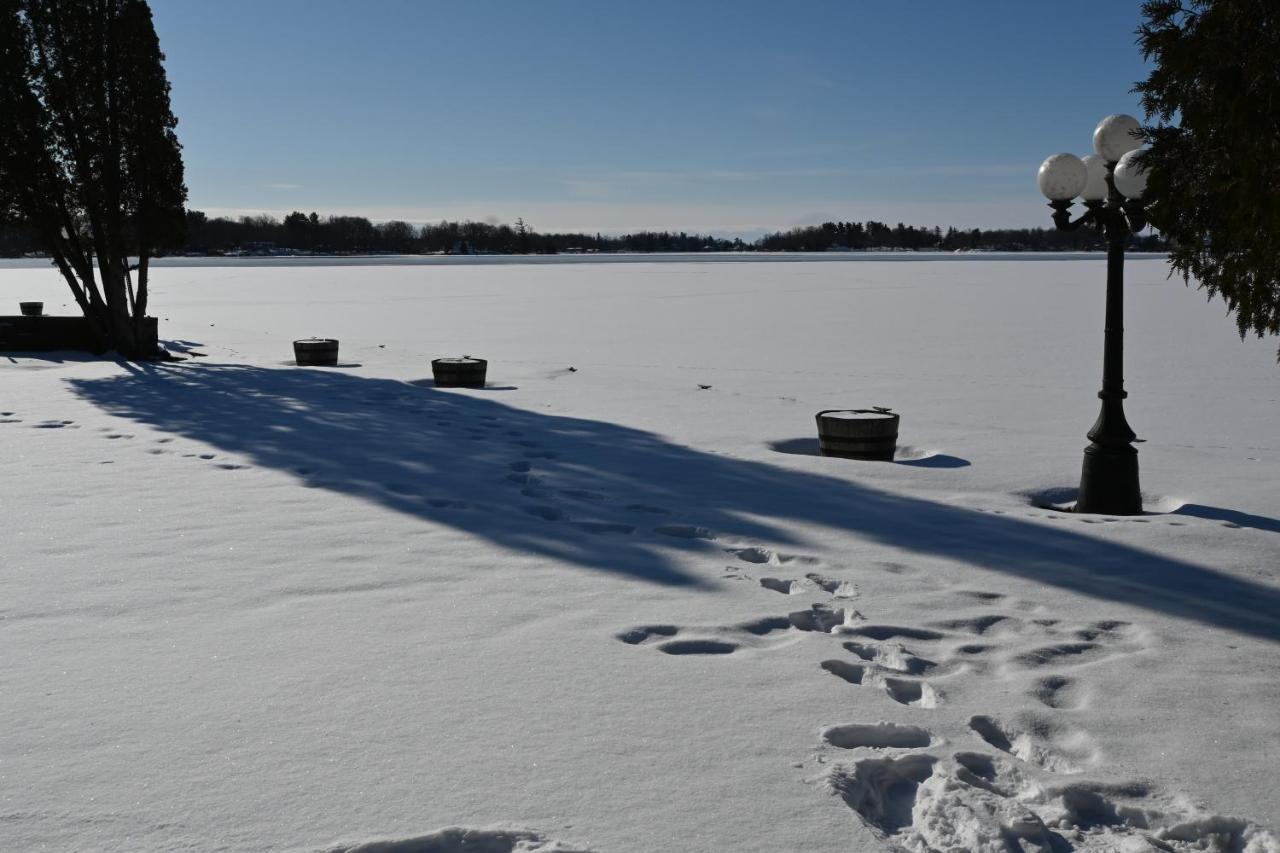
{"points": [[1111, 185], [1109, 475]]}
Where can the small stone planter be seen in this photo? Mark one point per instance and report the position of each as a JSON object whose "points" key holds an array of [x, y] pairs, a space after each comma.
{"points": [[316, 352], [31, 309], [465, 372], [870, 434]]}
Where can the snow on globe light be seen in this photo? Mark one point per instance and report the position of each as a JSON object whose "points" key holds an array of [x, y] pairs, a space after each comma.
{"points": [[1131, 177], [1117, 135], [1095, 185], [1061, 177]]}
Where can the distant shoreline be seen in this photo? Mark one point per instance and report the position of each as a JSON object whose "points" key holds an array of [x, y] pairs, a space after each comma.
{"points": [[318, 260]]}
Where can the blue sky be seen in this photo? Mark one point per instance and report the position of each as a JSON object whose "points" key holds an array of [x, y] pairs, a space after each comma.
{"points": [[730, 117]]}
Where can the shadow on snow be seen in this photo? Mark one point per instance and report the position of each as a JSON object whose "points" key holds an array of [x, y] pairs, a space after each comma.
{"points": [[571, 489]]}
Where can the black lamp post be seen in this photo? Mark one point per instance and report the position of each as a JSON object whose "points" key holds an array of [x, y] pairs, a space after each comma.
{"points": [[1111, 184]]}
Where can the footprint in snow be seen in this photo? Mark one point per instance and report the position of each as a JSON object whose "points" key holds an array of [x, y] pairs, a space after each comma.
{"points": [[684, 531], [897, 659], [698, 647], [655, 510], [604, 527], [921, 801], [904, 691], [1039, 740], [645, 633], [1091, 643], [446, 503], [981, 625], [979, 597], [763, 633], [545, 512], [877, 736], [896, 568], [831, 586], [660, 636], [917, 694], [987, 772], [786, 587], [882, 791], [853, 673], [891, 632], [927, 802], [457, 839], [1107, 630], [766, 556], [583, 495], [1058, 692]]}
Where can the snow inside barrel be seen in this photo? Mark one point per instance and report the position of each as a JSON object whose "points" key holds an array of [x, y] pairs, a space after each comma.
{"points": [[316, 352], [465, 372], [858, 433]]}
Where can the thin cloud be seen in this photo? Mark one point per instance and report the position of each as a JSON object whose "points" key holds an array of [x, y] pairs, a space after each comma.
{"points": [[282, 186]]}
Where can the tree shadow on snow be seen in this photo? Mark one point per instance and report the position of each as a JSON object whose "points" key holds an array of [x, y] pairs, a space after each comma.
{"points": [[610, 498]]}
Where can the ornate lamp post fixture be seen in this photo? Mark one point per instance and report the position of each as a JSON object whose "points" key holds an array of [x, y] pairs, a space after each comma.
{"points": [[1111, 184]]}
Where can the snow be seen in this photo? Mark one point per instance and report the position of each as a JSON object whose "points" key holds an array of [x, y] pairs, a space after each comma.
{"points": [[858, 415], [247, 606]]}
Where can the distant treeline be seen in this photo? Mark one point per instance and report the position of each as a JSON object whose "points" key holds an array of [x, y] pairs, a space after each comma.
{"points": [[301, 233], [868, 235]]}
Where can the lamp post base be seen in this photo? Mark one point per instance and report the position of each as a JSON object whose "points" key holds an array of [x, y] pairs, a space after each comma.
{"points": [[1109, 482]]}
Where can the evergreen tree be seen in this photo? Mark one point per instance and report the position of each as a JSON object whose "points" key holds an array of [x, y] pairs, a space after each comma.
{"points": [[1214, 176], [88, 154]]}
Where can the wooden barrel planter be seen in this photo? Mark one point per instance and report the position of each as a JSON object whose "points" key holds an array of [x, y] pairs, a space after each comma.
{"points": [[31, 309], [465, 372], [316, 352], [858, 433]]}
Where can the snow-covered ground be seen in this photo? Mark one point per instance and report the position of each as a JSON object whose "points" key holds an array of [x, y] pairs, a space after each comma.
{"points": [[246, 606]]}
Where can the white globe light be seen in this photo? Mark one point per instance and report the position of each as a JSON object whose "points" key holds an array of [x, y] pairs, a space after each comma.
{"points": [[1116, 136], [1131, 177], [1095, 185], [1061, 177]]}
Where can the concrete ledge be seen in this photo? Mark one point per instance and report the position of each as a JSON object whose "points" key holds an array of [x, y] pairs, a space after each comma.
{"points": [[45, 334]]}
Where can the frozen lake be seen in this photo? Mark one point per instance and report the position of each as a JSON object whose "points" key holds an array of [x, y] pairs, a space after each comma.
{"points": [[613, 601]]}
